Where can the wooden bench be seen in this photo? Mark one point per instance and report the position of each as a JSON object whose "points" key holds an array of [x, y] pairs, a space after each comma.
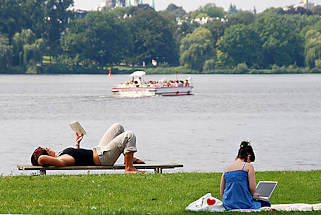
{"points": [[158, 168]]}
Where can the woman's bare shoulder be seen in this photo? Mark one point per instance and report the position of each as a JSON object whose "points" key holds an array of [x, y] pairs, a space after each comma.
{"points": [[231, 167], [248, 167]]}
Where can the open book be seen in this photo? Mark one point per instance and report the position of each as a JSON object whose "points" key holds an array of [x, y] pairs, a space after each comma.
{"points": [[76, 127]]}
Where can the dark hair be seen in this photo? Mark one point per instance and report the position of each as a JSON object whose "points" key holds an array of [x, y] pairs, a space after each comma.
{"points": [[36, 154], [246, 150]]}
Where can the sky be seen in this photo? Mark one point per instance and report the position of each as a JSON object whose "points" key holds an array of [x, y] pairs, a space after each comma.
{"points": [[190, 5]]}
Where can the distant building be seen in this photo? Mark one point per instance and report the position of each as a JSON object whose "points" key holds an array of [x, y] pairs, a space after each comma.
{"points": [[203, 20], [305, 4], [115, 3], [200, 20], [80, 13], [123, 3]]}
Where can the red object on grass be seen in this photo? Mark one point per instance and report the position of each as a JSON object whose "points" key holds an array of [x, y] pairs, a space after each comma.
{"points": [[211, 201]]}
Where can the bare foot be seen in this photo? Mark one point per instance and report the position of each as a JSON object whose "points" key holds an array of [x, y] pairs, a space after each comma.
{"points": [[133, 171], [138, 161]]}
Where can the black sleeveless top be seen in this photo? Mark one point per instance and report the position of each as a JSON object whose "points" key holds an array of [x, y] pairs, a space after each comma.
{"points": [[83, 157]]}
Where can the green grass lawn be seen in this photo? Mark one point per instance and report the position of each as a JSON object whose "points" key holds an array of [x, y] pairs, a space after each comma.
{"points": [[139, 194]]}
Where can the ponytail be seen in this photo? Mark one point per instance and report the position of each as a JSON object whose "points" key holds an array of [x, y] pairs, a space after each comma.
{"points": [[246, 150]]}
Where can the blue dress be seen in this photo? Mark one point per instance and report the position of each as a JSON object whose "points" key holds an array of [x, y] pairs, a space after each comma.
{"points": [[237, 193]]}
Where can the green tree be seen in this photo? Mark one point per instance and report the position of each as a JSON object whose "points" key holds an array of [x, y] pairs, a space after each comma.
{"points": [[223, 60], [34, 16], [26, 37], [318, 63], [177, 11], [27, 49], [56, 16], [120, 12], [312, 47], [316, 10], [46, 19], [5, 52], [211, 10], [209, 65], [273, 11], [171, 19], [196, 49], [153, 38], [240, 44], [12, 18], [100, 37], [217, 29], [241, 17], [281, 44], [75, 43], [299, 22], [32, 53], [314, 26], [242, 68], [186, 27]]}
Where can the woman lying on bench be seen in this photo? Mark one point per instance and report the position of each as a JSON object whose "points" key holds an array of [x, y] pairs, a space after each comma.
{"points": [[114, 142]]}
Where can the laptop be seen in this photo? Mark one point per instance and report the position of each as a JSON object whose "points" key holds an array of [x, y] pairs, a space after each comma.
{"points": [[265, 188]]}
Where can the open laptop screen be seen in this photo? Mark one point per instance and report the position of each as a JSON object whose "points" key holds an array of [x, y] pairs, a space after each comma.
{"points": [[266, 188]]}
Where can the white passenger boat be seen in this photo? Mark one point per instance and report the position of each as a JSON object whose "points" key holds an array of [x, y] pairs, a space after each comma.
{"points": [[137, 87]]}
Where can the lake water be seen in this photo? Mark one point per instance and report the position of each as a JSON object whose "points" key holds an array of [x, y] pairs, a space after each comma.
{"points": [[279, 114]]}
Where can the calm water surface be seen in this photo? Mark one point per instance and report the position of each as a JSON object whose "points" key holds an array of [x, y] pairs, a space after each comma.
{"points": [[279, 114]]}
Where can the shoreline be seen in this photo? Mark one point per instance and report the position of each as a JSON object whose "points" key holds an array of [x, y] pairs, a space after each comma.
{"points": [[149, 74], [69, 69]]}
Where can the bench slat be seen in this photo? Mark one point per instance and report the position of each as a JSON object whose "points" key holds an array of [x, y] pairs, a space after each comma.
{"points": [[116, 166]]}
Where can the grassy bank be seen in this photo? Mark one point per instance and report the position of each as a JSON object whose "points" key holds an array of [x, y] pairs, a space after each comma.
{"points": [[237, 70], [138, 194], [55, 68]]}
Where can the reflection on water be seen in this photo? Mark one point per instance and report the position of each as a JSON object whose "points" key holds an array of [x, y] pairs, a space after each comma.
{"points": [[279, 114]]}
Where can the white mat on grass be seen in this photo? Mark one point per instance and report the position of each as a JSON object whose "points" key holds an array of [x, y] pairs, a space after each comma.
{"points": [[297, 207], [211, 204]]}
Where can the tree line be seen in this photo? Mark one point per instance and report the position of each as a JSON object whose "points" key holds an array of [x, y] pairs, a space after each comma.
{"points": [[47, 36]]}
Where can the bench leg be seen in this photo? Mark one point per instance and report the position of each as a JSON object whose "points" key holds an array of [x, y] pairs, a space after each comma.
{"points": [[158, 170], [42, 172]]}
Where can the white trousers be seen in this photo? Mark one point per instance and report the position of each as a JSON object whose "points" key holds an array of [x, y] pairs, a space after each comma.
{"points": [[115, 142]]}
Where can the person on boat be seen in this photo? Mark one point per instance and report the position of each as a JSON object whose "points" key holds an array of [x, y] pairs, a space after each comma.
{"points": [[114, 142], [238, 184], [186, 84]]}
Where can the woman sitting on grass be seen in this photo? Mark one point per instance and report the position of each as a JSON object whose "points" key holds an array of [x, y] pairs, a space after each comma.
{"points": [[238, 184], [114, 142]]}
